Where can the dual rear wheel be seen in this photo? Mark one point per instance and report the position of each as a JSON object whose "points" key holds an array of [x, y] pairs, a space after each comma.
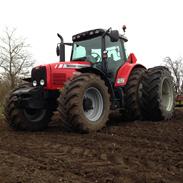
{"points": [[158, 98], [149, 94]]}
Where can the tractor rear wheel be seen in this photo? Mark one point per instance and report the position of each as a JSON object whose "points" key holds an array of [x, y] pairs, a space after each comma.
{"points": [[133, 94], [84, 103], [157, 94], [25, 118]]}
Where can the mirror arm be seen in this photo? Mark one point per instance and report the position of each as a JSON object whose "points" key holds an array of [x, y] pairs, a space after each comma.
{"points": [[106, 32]]}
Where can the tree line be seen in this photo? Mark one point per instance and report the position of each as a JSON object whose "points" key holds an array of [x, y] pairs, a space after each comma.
{"points": [[176, 68], [15, 58]]}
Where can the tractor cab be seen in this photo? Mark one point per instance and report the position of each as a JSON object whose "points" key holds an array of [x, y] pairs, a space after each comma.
{"points": [[104, 49]]}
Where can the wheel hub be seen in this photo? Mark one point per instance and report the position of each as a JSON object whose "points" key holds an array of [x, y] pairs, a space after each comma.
{"points": [[87, 104], [93, 104]]}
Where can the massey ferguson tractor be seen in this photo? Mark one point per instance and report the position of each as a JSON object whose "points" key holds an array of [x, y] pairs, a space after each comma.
{"points": [[98, 79]]}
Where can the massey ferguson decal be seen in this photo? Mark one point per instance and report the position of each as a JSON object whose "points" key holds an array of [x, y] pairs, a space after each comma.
{"points": [[71, 66]]}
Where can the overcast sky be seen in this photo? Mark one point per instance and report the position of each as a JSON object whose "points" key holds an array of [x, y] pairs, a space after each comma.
{"points": [[154, 28]]}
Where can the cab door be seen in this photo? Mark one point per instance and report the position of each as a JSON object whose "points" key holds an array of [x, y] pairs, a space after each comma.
{"points": [[115, 56]]}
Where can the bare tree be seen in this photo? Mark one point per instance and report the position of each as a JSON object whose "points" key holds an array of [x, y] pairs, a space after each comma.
{"points": [[15, 59], [176, 67]]}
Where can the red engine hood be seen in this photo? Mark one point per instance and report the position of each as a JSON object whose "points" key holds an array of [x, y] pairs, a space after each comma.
{"points": [[58, 73]]}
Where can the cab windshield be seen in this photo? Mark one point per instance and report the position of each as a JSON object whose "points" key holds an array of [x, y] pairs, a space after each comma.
{"points": [[89, 50]]}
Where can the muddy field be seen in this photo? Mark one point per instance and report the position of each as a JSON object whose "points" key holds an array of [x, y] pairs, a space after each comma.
{"points": [[138, 152]]}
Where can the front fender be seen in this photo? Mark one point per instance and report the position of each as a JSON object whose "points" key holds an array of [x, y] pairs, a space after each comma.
{"points": [[102, 75], [30, 97]]}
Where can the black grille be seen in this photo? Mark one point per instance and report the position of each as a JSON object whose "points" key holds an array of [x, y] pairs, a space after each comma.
{"points": [[39, 73]]}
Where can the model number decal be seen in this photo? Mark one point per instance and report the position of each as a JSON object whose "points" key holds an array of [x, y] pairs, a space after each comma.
{"points": [[71, 66]]}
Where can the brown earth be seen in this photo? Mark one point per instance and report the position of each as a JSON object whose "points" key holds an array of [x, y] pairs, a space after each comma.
{"points": [[136, 152]]}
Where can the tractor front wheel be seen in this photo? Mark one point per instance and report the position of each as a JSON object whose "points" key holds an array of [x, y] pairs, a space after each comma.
{"points": [[25, 118], [84, 103]]}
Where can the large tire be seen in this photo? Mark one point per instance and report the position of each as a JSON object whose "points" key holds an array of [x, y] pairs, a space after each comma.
{"points": [[158, 99], [23, 118], [133, 94], [84, 104], [62, 116]]}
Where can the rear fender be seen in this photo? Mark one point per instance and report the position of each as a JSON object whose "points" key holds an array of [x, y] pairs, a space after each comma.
{"points": [[125, 70]]}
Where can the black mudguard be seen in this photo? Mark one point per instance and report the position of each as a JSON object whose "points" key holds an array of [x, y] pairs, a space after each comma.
{"points": [[30, 97]]}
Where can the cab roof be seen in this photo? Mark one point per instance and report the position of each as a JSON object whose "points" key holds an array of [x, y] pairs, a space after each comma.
{"points": [[92, 34]]}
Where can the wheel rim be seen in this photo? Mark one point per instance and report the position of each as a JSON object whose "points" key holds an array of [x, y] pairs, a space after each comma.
{"points": [[167, 95], [96, 104], [34, 115]]}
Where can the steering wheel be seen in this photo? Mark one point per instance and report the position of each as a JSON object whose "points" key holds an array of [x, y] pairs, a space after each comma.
{"points": [[96, 56]]}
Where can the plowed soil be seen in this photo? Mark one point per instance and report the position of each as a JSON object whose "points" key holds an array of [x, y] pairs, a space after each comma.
{"points": [[125, 152]]}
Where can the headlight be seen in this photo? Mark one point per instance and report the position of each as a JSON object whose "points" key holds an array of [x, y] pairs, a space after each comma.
{"points": [[34, 83], [42, 82]]}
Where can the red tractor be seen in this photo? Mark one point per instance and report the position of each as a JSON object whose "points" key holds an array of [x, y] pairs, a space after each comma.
{"points": [[98, 79]]}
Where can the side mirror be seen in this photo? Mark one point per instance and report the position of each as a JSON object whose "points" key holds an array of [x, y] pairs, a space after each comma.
{"points": [[58, 50], [114, 35]]}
